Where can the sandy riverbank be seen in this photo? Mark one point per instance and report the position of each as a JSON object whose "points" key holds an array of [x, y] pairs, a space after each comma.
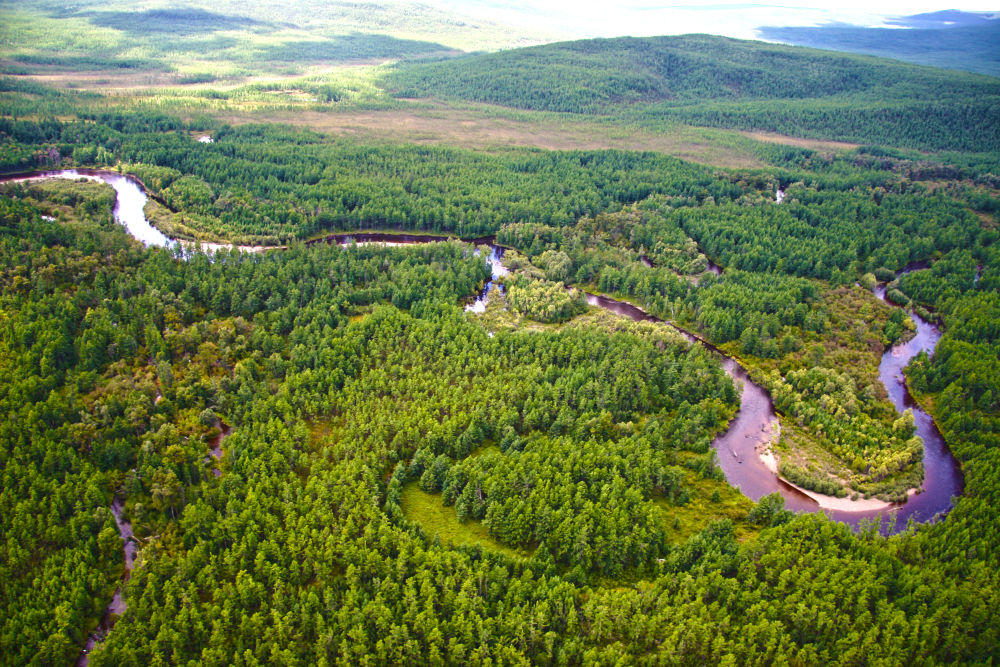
{"points": [[768, 458], [207, 246]]}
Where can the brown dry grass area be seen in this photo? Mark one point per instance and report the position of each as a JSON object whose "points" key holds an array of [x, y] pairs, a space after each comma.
{"points": [[101, 80], [136, 81], [469, 129], [816, 144], [989, 221]]}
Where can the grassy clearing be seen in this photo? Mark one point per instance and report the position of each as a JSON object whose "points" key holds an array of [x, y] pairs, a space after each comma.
{"points": [[491, 128], [325, 432], [427, 510], [498, 317], [815, 144], [798, 448], [488, 447], [348, 101], [710, 500]]}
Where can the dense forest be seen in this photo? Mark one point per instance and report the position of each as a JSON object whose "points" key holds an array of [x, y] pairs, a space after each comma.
{"points": [[271, 184], [327, 458], [275, 184]]}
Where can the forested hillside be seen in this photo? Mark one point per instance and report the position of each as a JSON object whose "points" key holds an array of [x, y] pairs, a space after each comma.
{"points": [[707, 80], [228, 41]]}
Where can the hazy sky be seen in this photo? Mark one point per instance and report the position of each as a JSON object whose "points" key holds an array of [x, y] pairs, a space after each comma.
{"points": [[575, 18]]}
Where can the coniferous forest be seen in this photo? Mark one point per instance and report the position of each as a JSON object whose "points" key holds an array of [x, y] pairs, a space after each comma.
{"points": [[296, 445]]}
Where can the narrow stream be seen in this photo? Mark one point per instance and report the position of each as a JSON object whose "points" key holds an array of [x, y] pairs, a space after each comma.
{"points": [[215, 452], [498, 270], [117, 605]]}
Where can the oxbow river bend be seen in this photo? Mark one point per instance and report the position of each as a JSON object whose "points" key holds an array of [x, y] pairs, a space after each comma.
{"points": [[738, 448]]}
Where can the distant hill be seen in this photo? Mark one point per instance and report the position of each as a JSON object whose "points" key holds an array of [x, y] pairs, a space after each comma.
{"points": [[952, 39], [313, 18], [212, 40], [597, 74], [945, 18], [726, 82]]}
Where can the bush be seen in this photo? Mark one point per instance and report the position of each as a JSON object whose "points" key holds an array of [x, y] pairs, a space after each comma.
{"points": [[807, 480]]}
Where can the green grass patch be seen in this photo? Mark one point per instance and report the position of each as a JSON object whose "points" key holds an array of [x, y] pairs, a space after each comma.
{"points": [[427, 510], [710, 499], [488, 447]]}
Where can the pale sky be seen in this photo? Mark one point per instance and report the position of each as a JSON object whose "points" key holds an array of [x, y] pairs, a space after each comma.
{"points": [[651, 17]]}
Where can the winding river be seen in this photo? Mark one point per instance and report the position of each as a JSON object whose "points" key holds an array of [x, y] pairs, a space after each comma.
{"points": [[943, 477], [130, 199], [741, 448]]}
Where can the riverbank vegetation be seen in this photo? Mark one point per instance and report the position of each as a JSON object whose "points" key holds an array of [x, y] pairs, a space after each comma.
{"points": [[543, 301]]}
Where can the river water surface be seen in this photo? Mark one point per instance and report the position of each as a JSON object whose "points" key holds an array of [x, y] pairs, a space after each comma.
{"points": [[943, 477], [130, 200]]}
